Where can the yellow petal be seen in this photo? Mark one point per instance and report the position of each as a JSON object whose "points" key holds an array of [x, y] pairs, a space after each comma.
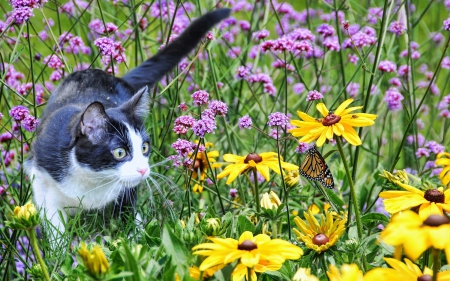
{"points": [[343, 106], [322, 109]]}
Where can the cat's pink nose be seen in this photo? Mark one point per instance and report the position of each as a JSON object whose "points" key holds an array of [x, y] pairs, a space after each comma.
{"points": [[142, 171]]}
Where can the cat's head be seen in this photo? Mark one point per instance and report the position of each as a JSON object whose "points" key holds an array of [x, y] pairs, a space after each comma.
{"points": [[114, 141]]}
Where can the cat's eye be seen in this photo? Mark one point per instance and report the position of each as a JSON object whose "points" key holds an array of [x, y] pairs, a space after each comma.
{"points": [[119, 153], [145, 147]]}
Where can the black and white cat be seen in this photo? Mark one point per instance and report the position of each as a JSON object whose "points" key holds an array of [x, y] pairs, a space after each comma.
{"points": [[91, 146]]}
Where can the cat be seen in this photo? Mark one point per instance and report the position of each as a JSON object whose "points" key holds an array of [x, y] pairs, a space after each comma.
{"points": [[91, 148]]}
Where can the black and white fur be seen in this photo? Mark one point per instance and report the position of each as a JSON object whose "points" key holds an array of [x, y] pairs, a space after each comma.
{"points": [[91, 147]]}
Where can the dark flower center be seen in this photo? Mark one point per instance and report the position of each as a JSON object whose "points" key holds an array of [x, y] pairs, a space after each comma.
{"points": [[331, 119], [247, 245], [436, 220], [434, 195], [320, 239], [198, 164], [253, 156], [425, 277]]}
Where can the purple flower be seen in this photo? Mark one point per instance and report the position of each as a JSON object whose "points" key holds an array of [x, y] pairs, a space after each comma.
{"points": [[233, 192], [203, 126], [393, 98], [20, 15], [301, 34], [200, 97], [278, 119], [332, 43], [282, 64], [314, 95], [1, 116], [445, 63], [245, 25], [352, 58], [446, 24], [302, 46], [182, 124], [387, 66], [30, 123], [445, 113], [109, 48], [326, 30], [374, 14], [218, 107], [260, 34], [245, 122], [412, 138], [404, 70], [243, 72], [183, 147], [302, 147], [234, 52], [395, 82], [54, 62], [429, 165], [422, 152], [6, 137], [353, 89], [362, 39], [434, 147], [19, 113], [397, 28], [298, 88]]}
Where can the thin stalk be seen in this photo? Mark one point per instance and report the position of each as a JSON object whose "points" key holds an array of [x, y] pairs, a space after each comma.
{"points": [[274, 229], [255, 176], [436, 263], [37, 253]]}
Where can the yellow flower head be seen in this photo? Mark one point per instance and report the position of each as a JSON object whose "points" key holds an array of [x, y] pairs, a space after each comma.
{"points": [[416, 235], [270, 201], [401, 176], [432, 201], [346, 273], [443, 159], [339, 123], [319, 236], [292, 178], [304, 274], [403, 272], [259, 253], [24, 217], [261, 162], [94, 260], [203, 161]]}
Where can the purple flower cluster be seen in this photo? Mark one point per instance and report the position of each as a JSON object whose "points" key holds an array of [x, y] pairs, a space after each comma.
{"points": [[387, 66], [22, 116], [397, 28], [302, 147], [182, 124], [278, 119], [245, 122], [200, 97], [184, 147], [265, 80], [314, 95], [110, 49], [353, 89], [393, 98], [23, 10]]}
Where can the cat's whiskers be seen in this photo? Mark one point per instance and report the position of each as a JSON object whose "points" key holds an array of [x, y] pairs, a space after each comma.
{"points": [[114, 179], [119, 133]]}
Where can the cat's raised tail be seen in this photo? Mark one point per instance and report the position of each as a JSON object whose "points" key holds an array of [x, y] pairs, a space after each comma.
{"points": [[152, 70]]}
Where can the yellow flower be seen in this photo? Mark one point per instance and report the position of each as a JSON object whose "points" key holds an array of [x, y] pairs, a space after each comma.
{"points": [[339, 123], [304, 274], [270, 201], [263, 265], [443, 159], [401, 176], [416, 235], [94, 260], [24, 217], [313, 209], [432, 201], [194, 272], [253, 252], [319, 236], [407, 271], [261, 162], [348, 272], [203, 161], [292, 178]]}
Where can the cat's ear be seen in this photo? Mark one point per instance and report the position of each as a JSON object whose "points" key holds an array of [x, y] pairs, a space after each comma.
{"points": [[93, 122], [138, 105]]}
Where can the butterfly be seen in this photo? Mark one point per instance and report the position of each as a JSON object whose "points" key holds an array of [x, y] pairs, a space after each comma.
{"points": [[314, 168]]}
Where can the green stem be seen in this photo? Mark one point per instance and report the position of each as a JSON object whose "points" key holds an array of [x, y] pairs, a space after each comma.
{"points": [[258, 207], [37, 253], [436, 263], [274, 229]]}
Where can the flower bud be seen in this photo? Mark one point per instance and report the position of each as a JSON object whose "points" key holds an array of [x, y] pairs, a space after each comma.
{"points": [[24, 217], [94, 260], [270, 201]]}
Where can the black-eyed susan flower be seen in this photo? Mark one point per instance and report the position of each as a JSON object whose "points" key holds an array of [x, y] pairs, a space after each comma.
{"points": [[432, 201], [347, 272], [407, 271], [339, 123], [270, 201], [94, 260], [203, 162], [304, 274], [408, 230], [443, 159], [259, 253], [194, 272], [263, 163], [292, 178], [319, 236]]}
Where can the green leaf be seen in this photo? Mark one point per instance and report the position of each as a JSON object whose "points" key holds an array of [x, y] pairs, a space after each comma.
{"points": [[371, 218], [244, 224], [130, 263], [176, 250]]}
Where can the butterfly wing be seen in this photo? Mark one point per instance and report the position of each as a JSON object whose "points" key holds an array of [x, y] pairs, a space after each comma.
{"points": [[315, 168]]}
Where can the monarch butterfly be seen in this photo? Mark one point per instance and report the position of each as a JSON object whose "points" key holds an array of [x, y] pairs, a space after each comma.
{"points": [[314, 168]]}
